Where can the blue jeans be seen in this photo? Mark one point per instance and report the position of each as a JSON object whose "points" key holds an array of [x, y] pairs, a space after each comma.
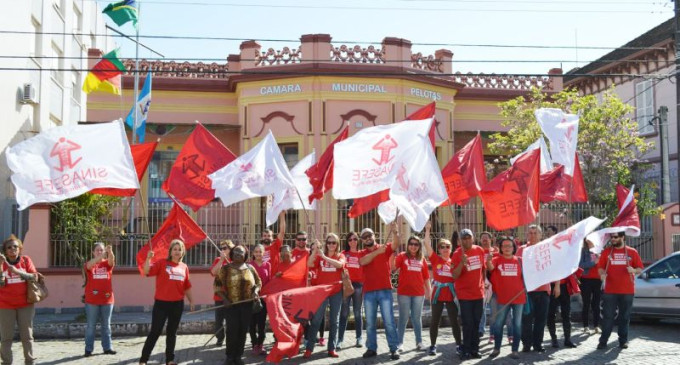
{"points": [[382, 299], [501, 317], [93, 314], [410, 307], [482, 322], [335, 301], [533, 324], [609, 304], [356, 300], [471, 314], [493, 302]]}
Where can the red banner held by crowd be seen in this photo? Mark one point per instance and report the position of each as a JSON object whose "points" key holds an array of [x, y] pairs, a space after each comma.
{"points": [[294, 276], [288, 311], [321, 173], [464, 175], [201, 155], [178, 224], [141, 156], [511, 199]]}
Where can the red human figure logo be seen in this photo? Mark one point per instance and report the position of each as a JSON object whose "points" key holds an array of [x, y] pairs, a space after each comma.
{"points": [[62, 150], [385, 145]]}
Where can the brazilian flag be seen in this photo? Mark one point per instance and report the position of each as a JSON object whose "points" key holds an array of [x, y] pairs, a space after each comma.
{"points": [[122, 12]]}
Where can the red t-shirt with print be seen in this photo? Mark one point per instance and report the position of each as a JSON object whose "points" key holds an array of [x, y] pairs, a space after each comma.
{"points": [[441, 272], [619, 281], [13, 294], [327, 273], [217, 260], [412, 275], [356, 272], [299, 254], [272, 254], [470, 284], [377, 272], [593, 273], [99, 288], [506, 280], [172, 280]]}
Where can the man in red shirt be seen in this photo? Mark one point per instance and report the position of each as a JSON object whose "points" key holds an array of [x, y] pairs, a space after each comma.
{"points": [[469, 268], [300, 252], [618, 266], [375, 261], [272, 246]]}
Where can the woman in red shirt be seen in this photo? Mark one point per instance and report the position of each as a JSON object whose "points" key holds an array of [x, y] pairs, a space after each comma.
{"points": [[591, 287], [414, 284], [356, 275], [259, 320], [15, 270], [220, 313], [508, 286], [172, 285], [99, 297], [329, 264]]}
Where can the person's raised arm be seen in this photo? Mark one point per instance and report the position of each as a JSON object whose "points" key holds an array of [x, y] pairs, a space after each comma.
{"points": [[311, 261], [368, 258], [427, 241], [394, 227], [147, 263], [90, 264], [338, 264], [282, 226], [110, 257]]}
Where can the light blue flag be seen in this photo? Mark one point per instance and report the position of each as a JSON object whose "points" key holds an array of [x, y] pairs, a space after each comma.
{"points": [[142, 109]]}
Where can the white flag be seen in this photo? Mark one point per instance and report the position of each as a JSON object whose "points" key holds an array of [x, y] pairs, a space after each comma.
{"points": [[259, 172], [557, 257], [64, 162], [546, 161], [387, 211], [363, 163], [562, 132], [624, 222], [290, 199]]}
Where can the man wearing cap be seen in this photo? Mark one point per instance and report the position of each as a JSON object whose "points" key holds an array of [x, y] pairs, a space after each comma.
{"points": [[618, 266], [469, 267], [378, 290]]}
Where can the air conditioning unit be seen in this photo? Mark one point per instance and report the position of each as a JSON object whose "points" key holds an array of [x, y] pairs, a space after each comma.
{"points": [[28, 96]]}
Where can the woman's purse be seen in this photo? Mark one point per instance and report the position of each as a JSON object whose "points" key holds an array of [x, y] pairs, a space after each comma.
{"points": [[36, 290], [257, 305], [347, 288]]}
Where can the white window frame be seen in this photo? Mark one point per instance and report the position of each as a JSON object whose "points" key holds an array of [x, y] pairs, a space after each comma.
{"points": [[644, 106]]}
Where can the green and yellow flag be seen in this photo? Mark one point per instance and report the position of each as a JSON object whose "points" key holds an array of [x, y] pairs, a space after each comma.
{"points": [[105, 75], [122, 12]]}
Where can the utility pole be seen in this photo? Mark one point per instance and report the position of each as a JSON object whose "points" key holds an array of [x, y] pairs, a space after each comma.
{"points": [[676, 10], [663, 144]]}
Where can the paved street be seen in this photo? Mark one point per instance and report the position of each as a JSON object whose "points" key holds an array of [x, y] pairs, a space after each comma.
{"points": [[650, 343]]}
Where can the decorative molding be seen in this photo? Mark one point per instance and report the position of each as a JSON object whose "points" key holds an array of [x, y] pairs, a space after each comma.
{"points": [[360, 112], [287, 117]]}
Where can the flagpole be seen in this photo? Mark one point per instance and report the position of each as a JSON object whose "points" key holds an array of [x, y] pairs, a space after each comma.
{"points": [[306, 213], [134, 124], [206, 235], [453, 215]]}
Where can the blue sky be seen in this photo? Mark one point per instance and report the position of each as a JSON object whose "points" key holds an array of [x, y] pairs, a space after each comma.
{"points": [[585, 23]]}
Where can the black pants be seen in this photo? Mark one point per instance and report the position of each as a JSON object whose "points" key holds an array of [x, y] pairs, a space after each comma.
{"points": [[220, 313], [591, 290], [162, 311], [471, 313], [564, 302], [238, 320], [257, 326], [452, 311], [533, 324]]}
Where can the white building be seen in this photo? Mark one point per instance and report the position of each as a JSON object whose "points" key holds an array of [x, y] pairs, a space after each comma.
{"points": [[42, 67]]}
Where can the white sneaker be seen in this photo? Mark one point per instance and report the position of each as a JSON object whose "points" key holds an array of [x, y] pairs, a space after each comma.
{"points": [[420, 347], [400, 349]]}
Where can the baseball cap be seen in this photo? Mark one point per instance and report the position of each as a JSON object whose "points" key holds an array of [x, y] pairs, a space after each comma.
{"points": [[466, 232], [366, 231]]}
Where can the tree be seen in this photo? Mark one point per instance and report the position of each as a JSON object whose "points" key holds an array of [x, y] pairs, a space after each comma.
{"points": [[609, 145]]}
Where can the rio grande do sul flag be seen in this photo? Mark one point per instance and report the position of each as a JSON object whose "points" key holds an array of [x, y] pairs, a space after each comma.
{"points": [[64, 162]]}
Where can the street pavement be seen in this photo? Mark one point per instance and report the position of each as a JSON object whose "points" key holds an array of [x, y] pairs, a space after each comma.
{"points": [[650, 343]]}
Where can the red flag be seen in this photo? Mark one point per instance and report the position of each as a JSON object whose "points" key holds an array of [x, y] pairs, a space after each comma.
{"points": [[557, 185], [295, 276], [628, 212], [366, 204], [511, 199], [141, 155], [288, 311], [201, 155], [321, 173], [178, 224], [464, 175]]}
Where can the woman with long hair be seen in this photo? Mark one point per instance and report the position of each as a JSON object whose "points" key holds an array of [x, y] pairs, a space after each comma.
{"points": [[99, 296], [356, 276], [220, 313], [414, 284], [329, 263], [591, 287], [172, 285], [259, 320], [443, 293]]}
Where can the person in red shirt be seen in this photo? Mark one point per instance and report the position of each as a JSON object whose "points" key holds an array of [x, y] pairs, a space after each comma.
{"points": [[300, 251], [486, 243], [172, 285], [99, 296], [618, 266], [329, 263], [272, 246], [469, 272], [508, 287], [378, 290], [591, 287], [356, 276], [15, 270], [259, 320], [220, 313], [443, 293], [414, 284]]}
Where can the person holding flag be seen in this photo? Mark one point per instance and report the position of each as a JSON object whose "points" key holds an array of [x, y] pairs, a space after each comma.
{"points": [[98, 296], [172, 285], [356, 276], [259, 320], [378, 290], [618, 266], [220, 330], [272, 247]]}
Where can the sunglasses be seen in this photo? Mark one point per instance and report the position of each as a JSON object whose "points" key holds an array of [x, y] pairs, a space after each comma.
{"points": [[301, 239], [414, 244], [224, 248], [353, 239], [444, 247], [331, 243], [16, 247], [365, 237]]}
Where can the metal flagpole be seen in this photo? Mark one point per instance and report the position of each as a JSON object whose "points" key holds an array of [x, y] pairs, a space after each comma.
{"points": [[133, 225]]}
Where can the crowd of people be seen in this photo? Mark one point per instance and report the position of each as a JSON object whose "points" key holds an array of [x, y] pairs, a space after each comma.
{"points": [[457, 275]]}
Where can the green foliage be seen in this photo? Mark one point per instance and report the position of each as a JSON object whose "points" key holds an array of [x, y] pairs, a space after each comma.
{"points": [[609, 145]]}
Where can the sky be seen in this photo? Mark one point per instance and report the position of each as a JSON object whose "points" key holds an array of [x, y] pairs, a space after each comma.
{"points": [[457, 25]]}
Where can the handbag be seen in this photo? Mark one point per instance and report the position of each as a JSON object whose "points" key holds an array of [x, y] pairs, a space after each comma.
{"points": [[36, 290], [347, 288], [257, 305]]}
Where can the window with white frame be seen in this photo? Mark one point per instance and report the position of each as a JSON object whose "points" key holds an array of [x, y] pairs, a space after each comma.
{"points": [[644, 106]]}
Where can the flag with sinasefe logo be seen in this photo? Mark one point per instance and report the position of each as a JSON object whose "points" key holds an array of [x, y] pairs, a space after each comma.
{"points": [[65, 162], [201, 155]]}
